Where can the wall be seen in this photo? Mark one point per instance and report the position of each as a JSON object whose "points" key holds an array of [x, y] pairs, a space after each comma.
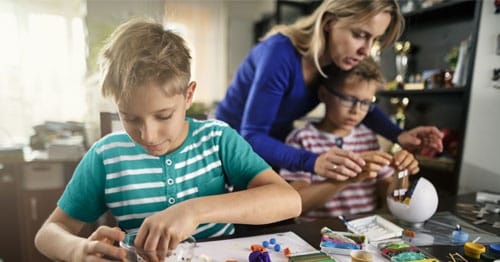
{"points": [[481, 160], [240, 28]]}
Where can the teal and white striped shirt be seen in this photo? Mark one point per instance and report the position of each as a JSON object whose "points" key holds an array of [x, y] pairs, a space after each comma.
{"points": [[118, 174]]}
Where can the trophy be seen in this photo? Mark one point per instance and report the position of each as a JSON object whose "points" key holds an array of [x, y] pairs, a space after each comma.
{"points": [[399, 117], [402, 49]]}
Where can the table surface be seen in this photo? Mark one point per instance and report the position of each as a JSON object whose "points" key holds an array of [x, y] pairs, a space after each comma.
{"points": [[310, 231]]}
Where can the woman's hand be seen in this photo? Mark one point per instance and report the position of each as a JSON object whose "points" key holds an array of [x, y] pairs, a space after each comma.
{"points": [[405, 160], [99, 244], [338, 164], [428, 137], [163, 231]]}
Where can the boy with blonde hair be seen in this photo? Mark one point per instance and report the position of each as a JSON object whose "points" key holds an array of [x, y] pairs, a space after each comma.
{"points": [[348, 97], [167, 177]]}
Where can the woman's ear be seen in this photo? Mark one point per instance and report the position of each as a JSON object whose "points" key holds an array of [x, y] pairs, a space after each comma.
{"points": [[190, 94], [328, 20]]}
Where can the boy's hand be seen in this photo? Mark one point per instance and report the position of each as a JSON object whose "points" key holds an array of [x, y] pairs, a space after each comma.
{"points": [[405, 160], [164, 230], [338, 164], [375, 160], [99, 244]]}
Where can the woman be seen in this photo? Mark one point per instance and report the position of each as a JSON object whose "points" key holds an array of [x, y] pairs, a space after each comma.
{"points": [[277, 83]]}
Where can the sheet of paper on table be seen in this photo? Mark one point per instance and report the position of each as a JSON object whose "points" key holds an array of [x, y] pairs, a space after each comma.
{"points": [[238, 249]]}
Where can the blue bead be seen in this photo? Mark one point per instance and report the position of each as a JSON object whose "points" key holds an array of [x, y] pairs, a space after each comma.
{"points": [[277, 247], [273, 241], [265, 244]]}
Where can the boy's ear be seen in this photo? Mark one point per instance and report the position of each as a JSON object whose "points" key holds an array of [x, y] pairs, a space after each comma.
{"points": [[322, 93], [190, 94]]}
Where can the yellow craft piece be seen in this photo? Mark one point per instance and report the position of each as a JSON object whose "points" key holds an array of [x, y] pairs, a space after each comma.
{"points": [[474, 250]]}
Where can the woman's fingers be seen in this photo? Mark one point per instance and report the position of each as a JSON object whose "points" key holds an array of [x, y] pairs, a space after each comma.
{"points": [[338, 164]]}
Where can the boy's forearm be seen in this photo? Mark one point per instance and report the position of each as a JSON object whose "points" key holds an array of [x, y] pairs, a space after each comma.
{"points": [[56, 242], [316, 195], [260, 205]]}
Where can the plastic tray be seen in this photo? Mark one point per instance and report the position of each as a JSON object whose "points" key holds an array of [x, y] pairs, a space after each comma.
{"points": [[375, 228]]}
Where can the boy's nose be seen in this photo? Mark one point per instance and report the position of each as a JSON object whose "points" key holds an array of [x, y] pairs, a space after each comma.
{"points": [[148, 133], [356, 107]]}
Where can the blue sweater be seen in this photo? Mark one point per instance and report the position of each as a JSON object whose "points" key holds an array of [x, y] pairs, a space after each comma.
{"points": [[268, 93]]}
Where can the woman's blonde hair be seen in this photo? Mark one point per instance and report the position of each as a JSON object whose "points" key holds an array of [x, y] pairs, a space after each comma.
{"points": [[308, 35], [141, 52]]}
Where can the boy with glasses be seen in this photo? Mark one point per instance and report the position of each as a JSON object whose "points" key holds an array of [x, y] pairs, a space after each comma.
{"points": [[348, 97]]}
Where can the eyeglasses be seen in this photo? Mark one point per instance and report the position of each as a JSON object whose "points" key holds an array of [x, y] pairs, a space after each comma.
{"points": [[351, 101]]}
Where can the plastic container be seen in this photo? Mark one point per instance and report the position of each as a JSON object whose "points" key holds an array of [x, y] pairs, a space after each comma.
{"points": [[459, 236], [361, 256], [183, 252]]}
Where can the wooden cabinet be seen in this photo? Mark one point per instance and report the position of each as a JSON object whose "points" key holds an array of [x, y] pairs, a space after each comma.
{"points": [[10, 249], [29, 193]]}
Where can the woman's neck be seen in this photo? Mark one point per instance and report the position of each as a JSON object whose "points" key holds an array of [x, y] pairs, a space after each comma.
{"points": [[310, 72]]}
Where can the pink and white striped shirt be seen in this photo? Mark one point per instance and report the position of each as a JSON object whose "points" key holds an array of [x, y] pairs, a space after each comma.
{"points": [[359, 197]]}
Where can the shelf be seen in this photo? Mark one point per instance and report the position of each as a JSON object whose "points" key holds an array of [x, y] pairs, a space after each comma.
{"points": [[456, 7], [444, 164], [436, 91]]}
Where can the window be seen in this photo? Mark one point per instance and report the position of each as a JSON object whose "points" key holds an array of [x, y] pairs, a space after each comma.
{"points": [[42, 66]]}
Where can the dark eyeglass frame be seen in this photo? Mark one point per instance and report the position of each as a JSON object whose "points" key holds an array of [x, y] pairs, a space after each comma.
{"points": [[347, 101]]}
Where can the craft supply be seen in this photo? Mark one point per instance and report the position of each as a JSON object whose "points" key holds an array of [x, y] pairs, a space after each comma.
{"points": [[183, 252], [316, 257], [474, 250], [456, 257], [342, 218], [495, 248], [259, 256], [400, 251], [340, 243], [361, 256], [478, 222], [459, 236], [375, 228], [401, 186]]}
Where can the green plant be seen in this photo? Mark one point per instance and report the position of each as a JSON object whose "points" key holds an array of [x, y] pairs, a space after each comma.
{"points": [[452, 57]]}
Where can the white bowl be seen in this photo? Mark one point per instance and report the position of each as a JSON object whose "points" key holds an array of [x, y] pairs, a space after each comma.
{"points": [[423, 204]]}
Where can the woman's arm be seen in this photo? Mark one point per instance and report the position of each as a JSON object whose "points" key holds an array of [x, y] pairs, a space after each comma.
{"points": [[381, 124], [420, 137]]}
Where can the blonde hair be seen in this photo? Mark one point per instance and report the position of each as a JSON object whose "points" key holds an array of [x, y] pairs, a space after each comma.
{"points": [[307, 33], [141, 52], [367, 70]]}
